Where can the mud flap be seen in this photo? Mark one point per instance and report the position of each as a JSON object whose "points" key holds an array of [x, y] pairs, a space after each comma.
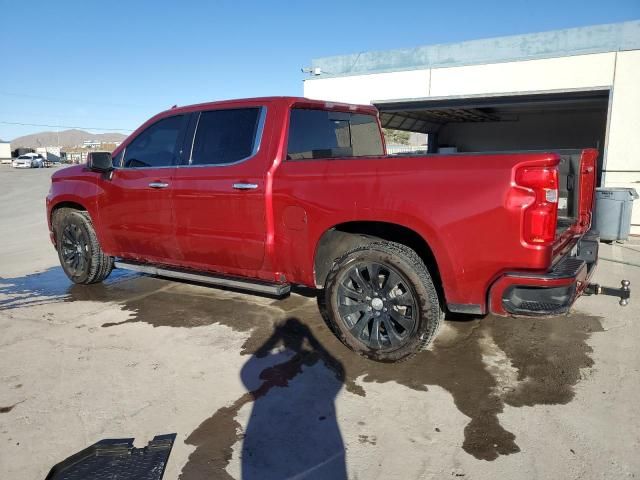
{"points": [[117, 459]]}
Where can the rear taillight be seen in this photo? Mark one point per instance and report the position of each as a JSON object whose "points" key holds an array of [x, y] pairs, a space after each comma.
{"points": [[541, 216]]}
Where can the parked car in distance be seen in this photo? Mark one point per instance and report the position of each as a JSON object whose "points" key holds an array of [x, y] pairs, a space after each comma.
{"points": [[6, 161], [268, 193], [29, 160]]}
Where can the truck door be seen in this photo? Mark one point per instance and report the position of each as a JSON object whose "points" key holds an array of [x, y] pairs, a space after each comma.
{"points": [[135, 208], [219, 192]]}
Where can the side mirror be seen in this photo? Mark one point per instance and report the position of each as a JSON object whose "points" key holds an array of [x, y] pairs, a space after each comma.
{"points": [[99, 161]]}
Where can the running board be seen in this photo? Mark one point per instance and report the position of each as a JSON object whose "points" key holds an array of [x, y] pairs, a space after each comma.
{"points": [[277, 289]]}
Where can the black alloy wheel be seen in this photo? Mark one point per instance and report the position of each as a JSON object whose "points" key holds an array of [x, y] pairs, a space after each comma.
{"points": [[380, 301], [79, 251], [377, 305], [75, 249]]}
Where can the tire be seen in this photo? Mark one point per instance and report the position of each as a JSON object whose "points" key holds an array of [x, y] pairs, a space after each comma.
{"points": [[380, 301], [81, 257]]}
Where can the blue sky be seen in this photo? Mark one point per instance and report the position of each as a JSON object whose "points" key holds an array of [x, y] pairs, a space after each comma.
{"points": [[114, 64]]}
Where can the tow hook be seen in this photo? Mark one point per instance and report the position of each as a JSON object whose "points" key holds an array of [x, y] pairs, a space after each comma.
{"points": [[624, 293]]}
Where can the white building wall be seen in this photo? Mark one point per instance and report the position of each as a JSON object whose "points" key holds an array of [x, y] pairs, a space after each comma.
{"points": [[529, 76], [567, 73], [623, 149], [364, 89]]}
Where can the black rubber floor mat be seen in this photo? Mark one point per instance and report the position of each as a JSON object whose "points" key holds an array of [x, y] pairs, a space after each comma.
{"points": [[117, 459]]}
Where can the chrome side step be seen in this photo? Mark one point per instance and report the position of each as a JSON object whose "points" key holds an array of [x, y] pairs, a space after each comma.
{"points": [[277, 289]]}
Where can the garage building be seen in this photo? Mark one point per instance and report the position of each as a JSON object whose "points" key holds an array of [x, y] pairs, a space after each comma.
{"points": [[573, 88]]}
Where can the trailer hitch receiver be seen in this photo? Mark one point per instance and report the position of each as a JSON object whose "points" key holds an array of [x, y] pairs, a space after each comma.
{"points": [[623, 293]]}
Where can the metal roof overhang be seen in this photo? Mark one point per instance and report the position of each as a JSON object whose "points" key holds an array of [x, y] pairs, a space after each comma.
{"points": [[427, 115]]}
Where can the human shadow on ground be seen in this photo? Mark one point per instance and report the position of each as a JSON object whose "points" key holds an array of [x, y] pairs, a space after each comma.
{"points": [[292, 431]]}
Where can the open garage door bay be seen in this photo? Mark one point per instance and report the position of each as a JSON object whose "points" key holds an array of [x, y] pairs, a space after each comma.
{"points": [[555, 120]]}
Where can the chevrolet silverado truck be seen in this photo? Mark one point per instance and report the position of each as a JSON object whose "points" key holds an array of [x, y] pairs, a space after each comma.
{"points": [[268, 193]]}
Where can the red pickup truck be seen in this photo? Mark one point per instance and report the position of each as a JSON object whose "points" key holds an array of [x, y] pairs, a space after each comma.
{"points": [[267, 193]]}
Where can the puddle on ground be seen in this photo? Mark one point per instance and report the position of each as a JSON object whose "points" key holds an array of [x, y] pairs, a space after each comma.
{"points": [[52, 286], [159, 302], [484, 364], [534, 362]]}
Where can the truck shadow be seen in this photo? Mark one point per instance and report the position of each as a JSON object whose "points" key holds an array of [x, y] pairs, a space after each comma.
{"points": [[485, 364]]}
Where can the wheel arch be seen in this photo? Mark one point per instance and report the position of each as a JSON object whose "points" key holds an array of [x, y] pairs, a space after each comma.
{"points": [[73, 205], [344, 236], [67, 204]]}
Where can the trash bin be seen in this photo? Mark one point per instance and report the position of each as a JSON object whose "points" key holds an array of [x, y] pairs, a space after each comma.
{"points": [[613, 212]]}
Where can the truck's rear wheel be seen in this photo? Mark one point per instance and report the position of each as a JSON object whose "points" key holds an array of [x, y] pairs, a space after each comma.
{"points": [[381, 302], [79, 252]]}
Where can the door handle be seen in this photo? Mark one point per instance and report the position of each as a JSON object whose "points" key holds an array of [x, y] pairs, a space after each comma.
{"points": [[245, 186], [158, 185]]}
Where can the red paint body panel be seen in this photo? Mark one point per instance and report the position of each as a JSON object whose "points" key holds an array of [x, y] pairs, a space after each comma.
{"points": [[216, 226], [138, 221], [459, 204], [75, 185], [466, 207]]}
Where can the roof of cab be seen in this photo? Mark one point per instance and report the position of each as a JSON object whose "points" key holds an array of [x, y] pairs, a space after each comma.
{"points": [[287, 101]]}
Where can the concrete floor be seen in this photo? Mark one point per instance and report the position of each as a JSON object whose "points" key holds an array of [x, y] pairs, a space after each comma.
{"points": [[257, 388]]}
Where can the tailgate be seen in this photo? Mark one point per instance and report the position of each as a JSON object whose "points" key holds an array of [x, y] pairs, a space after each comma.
{"points": [[577, 181]]}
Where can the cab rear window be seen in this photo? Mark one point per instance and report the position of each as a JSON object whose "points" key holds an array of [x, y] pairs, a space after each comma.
{"points": [[327, 134]]}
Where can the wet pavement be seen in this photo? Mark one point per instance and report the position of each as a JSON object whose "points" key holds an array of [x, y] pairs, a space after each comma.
{"points": [[484, 364], [260, 388]]}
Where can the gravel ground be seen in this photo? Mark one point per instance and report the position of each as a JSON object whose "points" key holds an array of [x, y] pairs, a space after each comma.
{"points": [[258, 388]]}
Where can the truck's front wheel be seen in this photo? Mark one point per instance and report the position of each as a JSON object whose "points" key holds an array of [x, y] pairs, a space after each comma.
{"points": [[381, 302], [80, 254]]}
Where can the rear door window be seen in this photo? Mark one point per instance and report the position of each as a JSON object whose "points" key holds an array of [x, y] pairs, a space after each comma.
{"points": [[156, 146], [328, 134], [226, 136]]}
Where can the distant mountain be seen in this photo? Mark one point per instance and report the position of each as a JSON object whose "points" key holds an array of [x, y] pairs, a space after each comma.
{"points": [[65, 138]]}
